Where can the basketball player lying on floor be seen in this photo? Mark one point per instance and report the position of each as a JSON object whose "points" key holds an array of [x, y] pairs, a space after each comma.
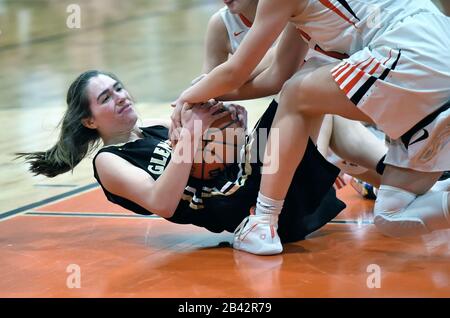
{"points": [[138, 169], [395, 74], [226, 30]]}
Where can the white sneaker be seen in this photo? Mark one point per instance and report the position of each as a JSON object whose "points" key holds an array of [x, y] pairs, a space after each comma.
{"points": [[257, 234]]}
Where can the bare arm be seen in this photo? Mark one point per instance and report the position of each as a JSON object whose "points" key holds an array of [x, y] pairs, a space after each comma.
{"points": [[264, 64], [161, 197], [217, 44], [290, 51], [271, 18], [218, 48]]}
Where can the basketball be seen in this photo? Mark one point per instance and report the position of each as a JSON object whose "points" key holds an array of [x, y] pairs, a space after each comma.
{"points": [[221, 144]]}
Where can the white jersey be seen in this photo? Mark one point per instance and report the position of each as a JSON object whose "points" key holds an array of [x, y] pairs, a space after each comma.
{"points": [[237, 27], [345, 27], [396, 55]]}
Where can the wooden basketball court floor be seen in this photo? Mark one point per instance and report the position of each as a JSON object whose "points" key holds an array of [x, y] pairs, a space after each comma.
{"points": [[51, 229]]}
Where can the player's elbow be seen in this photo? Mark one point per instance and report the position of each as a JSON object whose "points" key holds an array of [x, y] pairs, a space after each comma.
{"points": [[163, 211], [161, 206]]}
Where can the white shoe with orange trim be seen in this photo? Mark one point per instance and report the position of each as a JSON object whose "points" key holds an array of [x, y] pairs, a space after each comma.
{"points": [[257, 234]]}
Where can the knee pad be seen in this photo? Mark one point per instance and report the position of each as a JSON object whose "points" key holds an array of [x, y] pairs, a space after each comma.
{"points": [[401, 213]]}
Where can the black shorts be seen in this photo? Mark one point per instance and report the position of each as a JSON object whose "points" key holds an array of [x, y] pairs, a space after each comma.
{"points": [[310, 202]]}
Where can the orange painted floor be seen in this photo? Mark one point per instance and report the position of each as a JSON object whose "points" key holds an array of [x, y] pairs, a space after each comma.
{"points": [[120, 254]]}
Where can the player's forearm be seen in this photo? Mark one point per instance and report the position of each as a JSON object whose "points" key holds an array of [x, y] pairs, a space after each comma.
{"points": [[249, 91], [168, 189], [265, 84], [220, 81]]}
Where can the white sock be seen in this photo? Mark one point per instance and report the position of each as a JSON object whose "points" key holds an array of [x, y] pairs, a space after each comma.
{"points": [[265, 205]]}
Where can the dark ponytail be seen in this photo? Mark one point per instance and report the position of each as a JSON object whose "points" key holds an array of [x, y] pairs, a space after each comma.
{"points": [[75, 140]]}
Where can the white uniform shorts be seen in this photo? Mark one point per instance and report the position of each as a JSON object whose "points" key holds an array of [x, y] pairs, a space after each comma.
{"points": [[399, 80], [426, 147], [402, 75]]}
